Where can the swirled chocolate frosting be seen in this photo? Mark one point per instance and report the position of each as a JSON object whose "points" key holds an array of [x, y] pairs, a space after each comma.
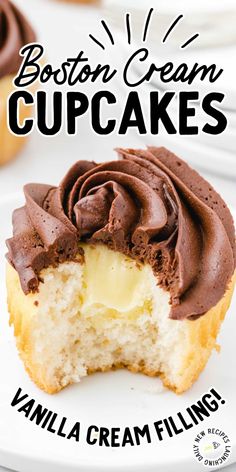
{"points": [[15, 32], [149, 205]]}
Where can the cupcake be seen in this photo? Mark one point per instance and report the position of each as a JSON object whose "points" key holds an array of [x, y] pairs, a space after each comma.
{"points": [[15, 32], [129, 263], [83, 2]]}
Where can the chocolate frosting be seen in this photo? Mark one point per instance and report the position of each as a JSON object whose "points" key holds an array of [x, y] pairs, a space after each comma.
{"points": [[15, 32], [149, 205]]}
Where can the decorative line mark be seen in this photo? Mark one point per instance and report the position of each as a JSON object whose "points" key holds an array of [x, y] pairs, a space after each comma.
{"points": [[96, 41], [107, 31], [127, 19], [147, 22], [190, 40], [172, 27]]}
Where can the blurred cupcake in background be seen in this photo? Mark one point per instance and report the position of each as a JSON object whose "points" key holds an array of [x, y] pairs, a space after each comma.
{"points": [[83, 2], [15, 32]]}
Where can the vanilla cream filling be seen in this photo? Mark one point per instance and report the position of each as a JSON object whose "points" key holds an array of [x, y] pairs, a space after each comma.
{"points": [[115, 281]]}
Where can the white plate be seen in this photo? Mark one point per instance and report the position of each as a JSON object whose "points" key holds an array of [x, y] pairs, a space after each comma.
{"points": [[171, 6], [115, 399]]}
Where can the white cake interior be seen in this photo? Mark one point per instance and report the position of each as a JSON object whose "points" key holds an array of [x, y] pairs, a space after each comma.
{"points": [[108, 311]]}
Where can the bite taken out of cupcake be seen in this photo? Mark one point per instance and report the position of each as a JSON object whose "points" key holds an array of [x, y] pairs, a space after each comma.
{"points": [[129, 263], [15, 32]]}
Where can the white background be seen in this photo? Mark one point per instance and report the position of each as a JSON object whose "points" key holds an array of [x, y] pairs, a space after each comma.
{"points": [[64, 29]]}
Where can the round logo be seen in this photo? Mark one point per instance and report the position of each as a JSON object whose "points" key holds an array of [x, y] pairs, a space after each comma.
{"points": [[212, 447]]}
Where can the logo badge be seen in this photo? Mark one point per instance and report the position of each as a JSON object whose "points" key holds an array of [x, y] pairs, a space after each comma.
{"points": [[212, 447]]}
